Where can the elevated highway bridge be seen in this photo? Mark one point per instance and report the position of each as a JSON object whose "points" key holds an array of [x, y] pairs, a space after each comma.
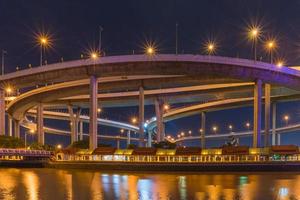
{"points": [[141, 80]]}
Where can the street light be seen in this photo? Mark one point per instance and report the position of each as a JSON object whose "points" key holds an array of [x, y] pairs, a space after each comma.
{"points": [[210, 47], [166, 107], [44, 41], [59, 146], [94, 55], [30, 132], [270, 46], [230, 127], [190, 132], [215, 129], [134, 120], [248, 125], [182, 134], [286, 119], [8, 90], [99, 110], [279, 63], [150, 48], [122, 130], [254, 34]]}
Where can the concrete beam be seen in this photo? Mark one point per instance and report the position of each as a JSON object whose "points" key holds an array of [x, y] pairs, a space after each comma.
{"points": [[93, 132], [257, 114]]}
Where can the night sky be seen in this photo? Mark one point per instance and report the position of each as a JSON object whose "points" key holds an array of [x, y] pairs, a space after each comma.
{"points": [[74, 28]]}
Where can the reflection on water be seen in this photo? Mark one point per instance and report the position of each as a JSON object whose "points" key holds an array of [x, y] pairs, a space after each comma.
{"points": [[35, 184]]}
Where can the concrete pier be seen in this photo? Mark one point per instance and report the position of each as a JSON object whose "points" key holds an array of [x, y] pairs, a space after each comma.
{"points": [[141, 116], [2, 112], [267, 114], [159, 106], [40, 124], [202, 132], [93, 112], [274, 123], [257, 114]]}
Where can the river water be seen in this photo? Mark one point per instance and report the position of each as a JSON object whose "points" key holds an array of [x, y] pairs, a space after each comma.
{"points": [[54, 184]]}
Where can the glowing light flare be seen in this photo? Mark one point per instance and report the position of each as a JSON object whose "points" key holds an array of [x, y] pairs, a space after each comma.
{"points": [[182, 134], [215, 128], [59, 146], [247, 124], [150, 48], [94, 55], [210, 47], [286, 117], [43, 39], [122, 130], [166, 106], [134, 120], [280, 63], [254, 32], [99, 110], [8, 90], [31, 131]]}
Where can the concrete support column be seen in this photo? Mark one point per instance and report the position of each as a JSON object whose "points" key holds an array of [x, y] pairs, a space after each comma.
{"points": [[17, 128], [118, 143], [10, 126], [72, 124], [149, 140], [274, 123], [202, 132], [278, 139], [267, 114], [40, 124], [141, 116], [81, 130], [128, 138], [159, 120], [77, 120], [2, 112], [93, 112], [257, 114]]}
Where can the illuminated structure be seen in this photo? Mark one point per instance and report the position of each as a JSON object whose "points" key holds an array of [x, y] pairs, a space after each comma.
{"points": [[80, 84]]}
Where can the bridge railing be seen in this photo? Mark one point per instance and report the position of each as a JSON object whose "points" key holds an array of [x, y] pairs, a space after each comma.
{"points": [[177, 159]]}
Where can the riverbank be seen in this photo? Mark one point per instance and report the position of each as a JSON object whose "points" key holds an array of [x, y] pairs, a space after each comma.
{"points": [[140, 166], [23, 163]]}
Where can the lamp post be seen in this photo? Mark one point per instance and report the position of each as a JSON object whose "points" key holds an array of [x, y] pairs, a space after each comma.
{"points": [[44, 42], [30, 132], [286, 119], [230, 127], [248, 125], [2, 61], [254, 34], [271, 46], [215, 129]]}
